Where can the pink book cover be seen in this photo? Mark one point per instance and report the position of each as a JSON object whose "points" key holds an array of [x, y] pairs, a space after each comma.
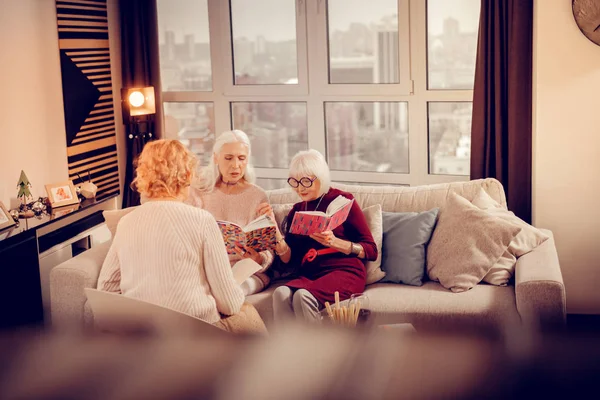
{"points": [[259, 239], [307, 224]]}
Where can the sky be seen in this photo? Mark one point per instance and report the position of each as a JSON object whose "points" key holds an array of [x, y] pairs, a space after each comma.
{"points": [[275, 19]]}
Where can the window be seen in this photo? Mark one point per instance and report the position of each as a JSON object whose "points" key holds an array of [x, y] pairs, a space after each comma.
{"points": [[382, 88]]}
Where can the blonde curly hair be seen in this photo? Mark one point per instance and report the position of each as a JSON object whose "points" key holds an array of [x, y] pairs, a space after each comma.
{"points": [[165, 168]]}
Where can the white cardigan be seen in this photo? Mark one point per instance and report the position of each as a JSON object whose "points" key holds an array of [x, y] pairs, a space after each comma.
{"points": [[172, 254]]}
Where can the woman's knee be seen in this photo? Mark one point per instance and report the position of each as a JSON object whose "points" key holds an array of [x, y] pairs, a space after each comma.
{"points": [[282, 294], [303, 298]]}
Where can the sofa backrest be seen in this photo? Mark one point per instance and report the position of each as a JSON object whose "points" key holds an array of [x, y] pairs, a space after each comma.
{"points": [[406, 199]]}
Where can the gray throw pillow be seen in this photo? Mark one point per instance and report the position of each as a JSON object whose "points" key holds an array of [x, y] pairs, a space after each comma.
{"points": [[405, 236]]}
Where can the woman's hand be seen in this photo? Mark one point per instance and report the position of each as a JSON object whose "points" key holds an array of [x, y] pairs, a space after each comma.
{"points": [[326, 238], [249, 253], [266, 209]]}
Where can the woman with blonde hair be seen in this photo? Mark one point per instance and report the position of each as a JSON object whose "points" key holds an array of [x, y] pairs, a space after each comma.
{"points": [[168, 253], [228, 192]]}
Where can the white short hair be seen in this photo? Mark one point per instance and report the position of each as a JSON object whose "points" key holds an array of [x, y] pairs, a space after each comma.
{"points": [[311, 163], [210, 175]]}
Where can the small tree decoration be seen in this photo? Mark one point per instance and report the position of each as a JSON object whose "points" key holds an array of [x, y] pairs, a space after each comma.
{"points": [[23, 186]]}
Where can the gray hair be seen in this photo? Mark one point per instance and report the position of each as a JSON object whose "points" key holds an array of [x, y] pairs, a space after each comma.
{"points": [[210, 175], [311, 163]]}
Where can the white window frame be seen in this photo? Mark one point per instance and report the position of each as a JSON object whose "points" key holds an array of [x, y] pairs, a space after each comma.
{"points": [[314, 90]]}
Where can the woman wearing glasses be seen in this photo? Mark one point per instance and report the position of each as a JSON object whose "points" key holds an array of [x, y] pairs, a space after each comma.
{"points": [[227, 191], [340, 254]]}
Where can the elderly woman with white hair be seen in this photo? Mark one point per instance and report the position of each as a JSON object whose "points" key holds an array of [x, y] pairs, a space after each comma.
{"points": [[228, 192], [338, 256]]}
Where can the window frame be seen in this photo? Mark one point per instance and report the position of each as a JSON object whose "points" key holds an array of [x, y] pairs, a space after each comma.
{"points": [[313, 89]]}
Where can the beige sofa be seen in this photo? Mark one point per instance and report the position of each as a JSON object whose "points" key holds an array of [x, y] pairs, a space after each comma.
{"points": [[535, 299]]}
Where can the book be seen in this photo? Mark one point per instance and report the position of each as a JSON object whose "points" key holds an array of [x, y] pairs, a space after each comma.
{"points": [[258, 234], [244, 269], [309, 222]]}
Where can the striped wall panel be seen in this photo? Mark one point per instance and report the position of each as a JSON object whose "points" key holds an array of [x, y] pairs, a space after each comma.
{"points": [[87, 92]]}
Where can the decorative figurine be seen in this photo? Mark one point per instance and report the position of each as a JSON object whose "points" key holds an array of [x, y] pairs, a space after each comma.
{"points": [[14, 213], [38, 208], [24, 185], [87, 189]]}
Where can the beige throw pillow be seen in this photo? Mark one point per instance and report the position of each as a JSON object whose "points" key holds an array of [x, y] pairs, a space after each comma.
{"points": [[465, 244], [528, 239], [375, 223], [112, 218], [281, 212]]}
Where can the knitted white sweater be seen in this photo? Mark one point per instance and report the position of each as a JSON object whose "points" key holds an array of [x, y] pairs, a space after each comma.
{"points": [[172, 254]]}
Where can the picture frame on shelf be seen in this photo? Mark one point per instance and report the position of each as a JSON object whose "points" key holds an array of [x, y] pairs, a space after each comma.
{"points": [[6, 220], [62, 194]]}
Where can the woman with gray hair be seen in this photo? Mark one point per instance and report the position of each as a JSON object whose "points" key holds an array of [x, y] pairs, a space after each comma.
{"points": [[329, 261], [228, 192]]}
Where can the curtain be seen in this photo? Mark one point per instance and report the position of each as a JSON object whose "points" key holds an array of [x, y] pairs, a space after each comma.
{"points": [[140, 67], [501, 132]]}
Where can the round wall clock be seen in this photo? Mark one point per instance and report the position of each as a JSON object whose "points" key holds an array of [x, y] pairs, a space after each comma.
{"points": [[587, 16]]}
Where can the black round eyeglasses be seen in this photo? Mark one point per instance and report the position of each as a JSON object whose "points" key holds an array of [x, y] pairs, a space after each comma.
{"points": [[304, 181]]}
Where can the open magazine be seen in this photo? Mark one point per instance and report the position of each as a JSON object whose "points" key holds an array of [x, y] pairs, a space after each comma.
{"points": [[244, 269], [259, 234], [309, 222]]}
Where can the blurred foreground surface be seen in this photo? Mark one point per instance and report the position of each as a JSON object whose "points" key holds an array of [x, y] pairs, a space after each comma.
{"points": [[296, 362]]}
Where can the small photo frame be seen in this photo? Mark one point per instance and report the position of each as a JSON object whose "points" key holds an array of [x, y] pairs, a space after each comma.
{"points": [[6, 220], [62, 194]]}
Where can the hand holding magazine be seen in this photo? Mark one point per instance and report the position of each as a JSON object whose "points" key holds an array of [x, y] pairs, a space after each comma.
{"points": [[309, 222], [259, 234]]}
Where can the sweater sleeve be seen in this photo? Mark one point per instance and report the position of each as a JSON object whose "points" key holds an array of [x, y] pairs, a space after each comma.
{"points": [[356, 223], [109, 279], [227, 293]]}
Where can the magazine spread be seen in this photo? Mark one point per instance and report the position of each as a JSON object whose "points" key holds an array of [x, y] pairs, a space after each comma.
{"points": [[309, 222], [244, 269], [259, 234]]}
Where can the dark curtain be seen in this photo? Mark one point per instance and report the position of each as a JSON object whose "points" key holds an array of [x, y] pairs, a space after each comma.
{"points": [[140, 67], [501, 130]]}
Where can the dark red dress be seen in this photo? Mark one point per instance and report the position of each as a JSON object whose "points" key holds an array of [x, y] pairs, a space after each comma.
{"points": [[331, 272]]}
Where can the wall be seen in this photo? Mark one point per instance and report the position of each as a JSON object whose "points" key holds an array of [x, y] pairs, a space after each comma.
{"points": [[32, 128], [566, 148]]}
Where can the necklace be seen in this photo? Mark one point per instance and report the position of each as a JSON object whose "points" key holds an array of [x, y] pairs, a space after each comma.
{"points": [[318, 204]]}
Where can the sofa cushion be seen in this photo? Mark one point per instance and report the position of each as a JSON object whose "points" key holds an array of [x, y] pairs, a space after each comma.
{"points": [[431, 306], [405, 198], [375, 223], [427, 307], [528, 239], [112, 218], [405, 237], [465, 244]]}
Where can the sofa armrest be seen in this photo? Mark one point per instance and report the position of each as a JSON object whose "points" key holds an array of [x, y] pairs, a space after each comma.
{"points": [[67, 283], [539, 287]]}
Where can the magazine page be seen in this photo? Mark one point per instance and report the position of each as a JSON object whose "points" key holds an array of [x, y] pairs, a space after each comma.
{"points": [[233, 235], [244, 269], [261, 222], [340, 215], [262, 239], [337, 204]]}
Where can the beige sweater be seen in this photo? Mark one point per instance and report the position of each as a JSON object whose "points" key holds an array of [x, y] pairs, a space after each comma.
{"points": [[237, 208], [171, 254]]}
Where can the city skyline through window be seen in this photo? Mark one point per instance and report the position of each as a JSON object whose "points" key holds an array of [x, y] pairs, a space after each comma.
{"points": [[367, 133]]}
